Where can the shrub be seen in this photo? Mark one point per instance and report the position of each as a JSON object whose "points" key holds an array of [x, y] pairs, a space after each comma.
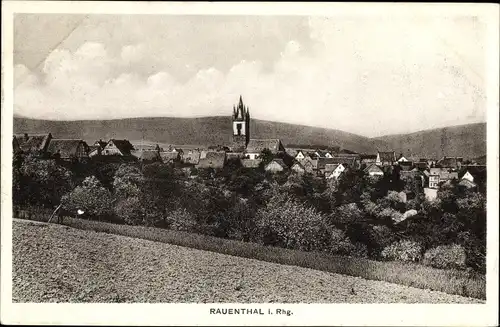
{"points": [[446, 256], [287, 223], [90, 197], [129, 210], [340, 243], [181, 220], [382, 236], [403, 250]]}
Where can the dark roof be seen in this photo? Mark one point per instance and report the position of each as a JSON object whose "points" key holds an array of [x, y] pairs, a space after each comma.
{"points": [[368, 156], [94, 147], [257, 145], [124, 146], [279, 162], [331, 167], [66, 148], [146, 155], [192, 156], [348, 161], [449, 161], [212, 160], [35, 142], [101, 143], [387, 156], [167, 156], [251, 163]]}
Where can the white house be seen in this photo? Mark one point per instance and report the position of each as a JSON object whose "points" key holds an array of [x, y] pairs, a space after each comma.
{"points": [[468, 177], [300, 155], [276, 165], [402, 158]]}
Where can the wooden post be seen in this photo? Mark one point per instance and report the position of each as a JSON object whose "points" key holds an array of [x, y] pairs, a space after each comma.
{"points": [[58, 207]]}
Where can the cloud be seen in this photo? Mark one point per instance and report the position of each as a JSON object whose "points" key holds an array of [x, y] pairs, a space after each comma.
{"points": [[372, 77]]}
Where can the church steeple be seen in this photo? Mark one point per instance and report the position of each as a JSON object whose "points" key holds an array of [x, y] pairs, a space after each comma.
{"points": [[241, 126]]}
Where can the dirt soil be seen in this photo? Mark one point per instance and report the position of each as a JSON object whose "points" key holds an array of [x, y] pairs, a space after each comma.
{"points": [[54, 263]]}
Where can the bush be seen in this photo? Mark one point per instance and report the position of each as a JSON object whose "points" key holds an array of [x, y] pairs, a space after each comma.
{"points": [[446, 256], [403, 250], [181, 220], [341, 245], [129, 210], [90, 197], [287, 223]]}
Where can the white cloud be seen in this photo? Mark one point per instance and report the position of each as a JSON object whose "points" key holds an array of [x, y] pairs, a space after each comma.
{"points": [[363, 77]]}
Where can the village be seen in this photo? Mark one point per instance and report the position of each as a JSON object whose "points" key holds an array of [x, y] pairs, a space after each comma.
{"points": [[252, 153]]}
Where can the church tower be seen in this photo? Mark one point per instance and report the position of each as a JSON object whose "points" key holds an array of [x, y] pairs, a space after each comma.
{"points": [[241, 127]]}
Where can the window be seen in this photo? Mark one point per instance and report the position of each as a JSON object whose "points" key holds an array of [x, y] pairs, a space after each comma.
{"points": [[238, 128]]}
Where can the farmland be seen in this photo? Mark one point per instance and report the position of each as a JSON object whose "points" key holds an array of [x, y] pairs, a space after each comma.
{"points": [[53, 263]]}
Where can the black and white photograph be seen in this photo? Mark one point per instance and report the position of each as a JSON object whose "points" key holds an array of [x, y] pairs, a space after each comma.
{"points": [[254, 164]]}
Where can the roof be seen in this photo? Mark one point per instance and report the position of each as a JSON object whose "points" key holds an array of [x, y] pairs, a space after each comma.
{"points": [[443, 173], [331, 167], [389, 156], [257, 145], [37, 142], [299, 165], [373, 168], [169, 155], [212, 160], [65, 147], [279, 162], [449, 161], [149, 155], [368, 156], [251, 163], [322, 162], [94, 148], [124, 146], [192, 157], [467, 183], [101, 143]]}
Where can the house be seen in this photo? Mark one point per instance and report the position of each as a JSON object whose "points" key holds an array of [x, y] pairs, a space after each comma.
{"points": [[276, 165], [334, 170], [440, 175], [309, 164], [374, 170], [386, 158], [298, 168], [68, 149], [368, 159], [256, 146], [191, 157], [251, 163], [212, 159], [33, 143], [450, 162], [148, 156], [118, 148], [474, 173], [402, 158], [351, 161], [95, 150], [170, 156], [300, 155], [421, 165], [467, 184]]}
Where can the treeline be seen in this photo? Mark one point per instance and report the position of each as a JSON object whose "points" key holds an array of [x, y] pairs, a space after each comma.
{"points": [[355, 215]]}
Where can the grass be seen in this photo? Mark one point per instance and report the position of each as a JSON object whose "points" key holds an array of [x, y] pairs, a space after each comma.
{"points": [[449, 281]]}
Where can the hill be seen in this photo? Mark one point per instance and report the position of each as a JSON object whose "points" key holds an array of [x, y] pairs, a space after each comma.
{"points": [[468, 141], [194, 131]]}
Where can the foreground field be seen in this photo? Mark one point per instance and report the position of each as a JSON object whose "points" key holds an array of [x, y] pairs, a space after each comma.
{"points": [[53, 263]]}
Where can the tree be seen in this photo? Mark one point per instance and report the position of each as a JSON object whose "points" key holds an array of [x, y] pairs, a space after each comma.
{"points": [[91, 197], [42, 182]]}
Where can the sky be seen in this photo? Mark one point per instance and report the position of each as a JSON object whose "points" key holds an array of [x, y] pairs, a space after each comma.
{"points": [[370, 76]]}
